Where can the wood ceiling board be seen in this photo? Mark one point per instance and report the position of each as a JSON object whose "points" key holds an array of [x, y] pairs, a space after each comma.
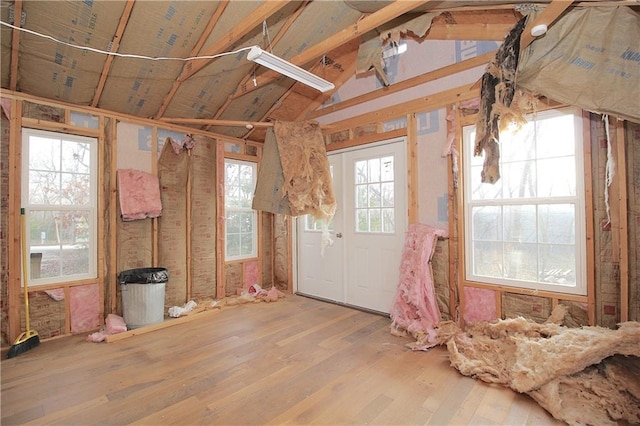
{"points": [[167, 29], [57, 71]]}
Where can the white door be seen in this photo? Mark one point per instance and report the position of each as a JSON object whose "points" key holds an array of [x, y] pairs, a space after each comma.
{"points": [[362, 267]]}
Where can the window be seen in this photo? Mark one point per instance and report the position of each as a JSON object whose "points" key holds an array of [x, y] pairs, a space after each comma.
{"points": [[59, 195], [241, 230], [528, 229], [374, 189]]}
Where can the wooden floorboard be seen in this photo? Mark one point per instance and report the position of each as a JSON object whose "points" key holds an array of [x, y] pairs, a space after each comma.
{"points": [[296, 361]]}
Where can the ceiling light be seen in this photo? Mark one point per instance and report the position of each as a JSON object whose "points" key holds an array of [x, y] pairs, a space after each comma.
{"points": [[271, 61]]}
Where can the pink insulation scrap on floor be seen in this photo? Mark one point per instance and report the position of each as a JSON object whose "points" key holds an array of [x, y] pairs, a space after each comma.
{"points": [[415, 309], [479, 305], [139, 194]]}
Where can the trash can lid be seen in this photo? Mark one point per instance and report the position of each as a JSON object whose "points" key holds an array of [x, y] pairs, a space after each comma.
{"points": [[144, 276]]}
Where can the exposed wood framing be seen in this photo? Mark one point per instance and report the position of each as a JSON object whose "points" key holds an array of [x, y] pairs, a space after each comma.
{"points": [[13, 224], [361, 27], [113, 221], [220, 219], [364, 140], [248, 23], [155, 254], [101, 216], [588, 196], [623, 228], [194, 52], [412, 167], [188, 215], [491, 32], [115, 44], [214, 122], [407, 84], [454, 268], [547, 17], [15, 44]]}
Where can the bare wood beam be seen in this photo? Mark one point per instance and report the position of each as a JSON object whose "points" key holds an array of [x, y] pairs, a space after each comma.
{"points": [[275, 41], [490, 32], [115, 44], [407, 84], [196, 49], [547, 17], [361, 27], [247, 24], [214, 122], [15, 44]]}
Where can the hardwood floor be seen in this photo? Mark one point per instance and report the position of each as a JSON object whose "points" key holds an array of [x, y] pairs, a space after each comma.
{"points": [[296, 361]]}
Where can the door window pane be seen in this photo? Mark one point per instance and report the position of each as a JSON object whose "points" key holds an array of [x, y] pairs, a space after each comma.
{"points": [[374, 193]]}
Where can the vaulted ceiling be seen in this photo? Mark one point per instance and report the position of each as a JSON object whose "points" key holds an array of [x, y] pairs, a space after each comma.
{"points": [[83, 52]]}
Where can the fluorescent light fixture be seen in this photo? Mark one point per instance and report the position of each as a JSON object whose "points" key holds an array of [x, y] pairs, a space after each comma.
{"points": [[271, 61]]}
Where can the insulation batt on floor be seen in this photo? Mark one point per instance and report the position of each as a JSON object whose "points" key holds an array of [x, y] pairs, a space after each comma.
{"points": [[583, 376]]}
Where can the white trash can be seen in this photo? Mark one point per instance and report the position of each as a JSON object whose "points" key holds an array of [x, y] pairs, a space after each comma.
{"points": [[142, 292]]}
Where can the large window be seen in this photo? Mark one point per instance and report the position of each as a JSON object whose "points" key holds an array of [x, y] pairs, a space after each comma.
{"points": [[241, 231], [528, 229], [59, 195]]}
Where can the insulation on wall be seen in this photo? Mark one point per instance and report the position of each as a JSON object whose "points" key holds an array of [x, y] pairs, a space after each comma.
{"points": [[110, 276], [633, 221], [267, 248], [281, 255], [47, 313], [203, 218], [607, 261], [173, 170], [84, 308], [233, 278], [441, 282], [480, 305], [535, 308]]}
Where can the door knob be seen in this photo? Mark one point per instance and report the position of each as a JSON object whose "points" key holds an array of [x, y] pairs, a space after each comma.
{"points": [[339, 235]]}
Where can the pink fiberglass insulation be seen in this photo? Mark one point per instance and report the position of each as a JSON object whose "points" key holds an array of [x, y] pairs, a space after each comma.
{"points": [[479, 305], [415, 309], [84, 304], [139, 194], [249, 274]]}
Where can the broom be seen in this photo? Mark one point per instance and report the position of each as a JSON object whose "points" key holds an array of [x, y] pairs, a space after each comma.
{"points": [[29, 339]]}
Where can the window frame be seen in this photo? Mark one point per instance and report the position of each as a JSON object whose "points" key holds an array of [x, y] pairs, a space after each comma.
{"points": [[580, 288], [91, 208], [255, 233]]}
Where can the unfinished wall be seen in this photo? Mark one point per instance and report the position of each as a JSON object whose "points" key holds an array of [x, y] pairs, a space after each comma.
{"points": [[633, 193], [4, 208]]}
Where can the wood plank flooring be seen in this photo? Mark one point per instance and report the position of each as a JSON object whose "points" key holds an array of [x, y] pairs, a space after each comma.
{"points": [[296, 361]]}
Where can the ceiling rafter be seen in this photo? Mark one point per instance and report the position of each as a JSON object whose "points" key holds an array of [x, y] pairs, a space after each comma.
{"points": [[247, 24], [115, 45], [275, 41], [364, 25], [15, 44], [547, 17], [195, 51]]}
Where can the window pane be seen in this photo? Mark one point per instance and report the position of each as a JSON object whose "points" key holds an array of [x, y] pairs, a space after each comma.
{"points": [[388, 220], [361, 196], [557, 264], [387, 169], [44, 187], [520, 223], [520, 261], [487, 258], [75, 157], [233, 244], [387, 194], [246, 248], [487, 223], [233, 222], [75, 189], [374, 195], [519, 179], [374, 170], [44, 153], [362, 220], [483, 191], [556, 223], [361, 172], [556, 136], [557, 177], [375, 220], [246, 222]]}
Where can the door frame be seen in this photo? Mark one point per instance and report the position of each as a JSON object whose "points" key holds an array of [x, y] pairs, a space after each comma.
{"points": [[408, 150]]}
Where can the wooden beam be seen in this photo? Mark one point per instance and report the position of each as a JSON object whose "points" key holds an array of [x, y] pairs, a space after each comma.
{"points": [[220, 221], [194, 52], [407, 84], [15, 44], [115, 44], [212, 122], [356, 30], [489, 32], [621, 165], [365, 140], [412, 166], [13, 220], [547, 17], [247, 24], [424, 103], [281, 32]]}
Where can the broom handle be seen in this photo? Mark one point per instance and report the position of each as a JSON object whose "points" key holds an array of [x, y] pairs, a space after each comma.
{"points": [[23, 223]]}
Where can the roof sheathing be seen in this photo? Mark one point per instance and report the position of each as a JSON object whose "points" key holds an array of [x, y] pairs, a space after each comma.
{"points": [[6, 37]]}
